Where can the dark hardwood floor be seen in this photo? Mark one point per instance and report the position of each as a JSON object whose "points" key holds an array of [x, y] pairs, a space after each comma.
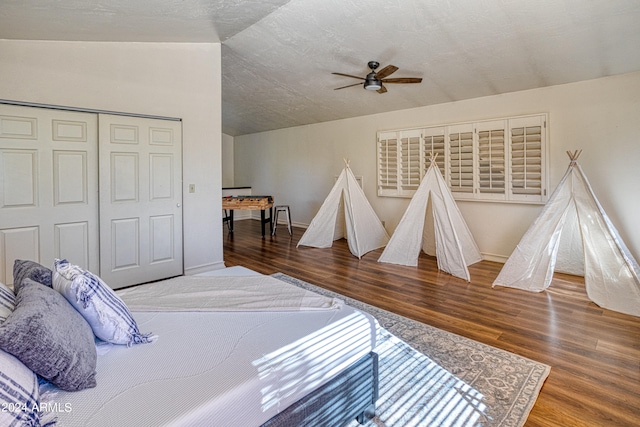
{"points": [[594, 353]]}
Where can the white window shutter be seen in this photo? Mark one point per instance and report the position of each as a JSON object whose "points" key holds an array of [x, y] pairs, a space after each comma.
{"points": [[410, 165], [434, 144], [461, 166], [492, 160], [492, 150], [388, 164], [527, 155]]}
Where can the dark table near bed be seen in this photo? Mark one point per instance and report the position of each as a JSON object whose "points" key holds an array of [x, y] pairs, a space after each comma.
{"points": [[253, 203]]}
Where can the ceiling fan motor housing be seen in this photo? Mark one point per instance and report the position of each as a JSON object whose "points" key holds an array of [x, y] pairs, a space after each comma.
{"points": [[372, 82]]}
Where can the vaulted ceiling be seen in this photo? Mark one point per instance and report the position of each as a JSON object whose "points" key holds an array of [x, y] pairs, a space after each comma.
{"points": [[278, 56]]}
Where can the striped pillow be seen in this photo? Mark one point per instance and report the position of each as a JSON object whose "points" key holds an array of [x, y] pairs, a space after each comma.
{"points": [[107, 314], [7, 302], [19, 393], [18, 384]]}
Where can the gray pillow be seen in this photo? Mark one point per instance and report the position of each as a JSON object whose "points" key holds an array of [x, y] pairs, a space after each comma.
{"points": [[50, 337], [23, 269]]}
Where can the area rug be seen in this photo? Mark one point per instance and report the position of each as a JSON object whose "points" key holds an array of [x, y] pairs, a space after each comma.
{"points": [[430, 377]]}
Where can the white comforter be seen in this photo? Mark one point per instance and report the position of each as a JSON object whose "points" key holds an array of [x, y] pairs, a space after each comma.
{"points": [[249, 293]]}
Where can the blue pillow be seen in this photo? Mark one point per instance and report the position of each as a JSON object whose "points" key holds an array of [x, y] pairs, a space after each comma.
{"points": [[7, 302], [50, 337], [19, 394], [107, 314]]}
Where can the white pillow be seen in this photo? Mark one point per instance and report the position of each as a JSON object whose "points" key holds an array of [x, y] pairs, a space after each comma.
{"points": [[7, 302], [107, 314], [19, 393]]}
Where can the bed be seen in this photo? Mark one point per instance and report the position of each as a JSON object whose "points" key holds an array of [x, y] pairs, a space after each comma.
{"points": [[228, 368]]}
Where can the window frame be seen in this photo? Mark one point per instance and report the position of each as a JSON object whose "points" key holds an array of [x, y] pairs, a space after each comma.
{"points": [[500, 159]]}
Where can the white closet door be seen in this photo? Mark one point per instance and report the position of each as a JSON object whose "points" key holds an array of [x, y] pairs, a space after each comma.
{"points": [[48, 187], [140, 199]]}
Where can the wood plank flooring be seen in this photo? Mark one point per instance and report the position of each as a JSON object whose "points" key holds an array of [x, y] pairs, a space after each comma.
{"points": [[594, 353]]}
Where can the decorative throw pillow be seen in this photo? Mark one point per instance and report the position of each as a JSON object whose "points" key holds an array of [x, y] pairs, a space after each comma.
{"points": [[50, 337], [107, 314], [7, 301], [23, 269], [19, 395]]}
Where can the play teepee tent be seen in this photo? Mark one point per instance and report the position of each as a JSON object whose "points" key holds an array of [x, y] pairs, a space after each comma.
{"points": [[346, 212], [433, 223], [573, 234]]}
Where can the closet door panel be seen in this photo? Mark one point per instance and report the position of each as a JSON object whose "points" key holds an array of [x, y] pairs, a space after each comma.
{"points": [[141, 199], [71, 241], [48, 187]]}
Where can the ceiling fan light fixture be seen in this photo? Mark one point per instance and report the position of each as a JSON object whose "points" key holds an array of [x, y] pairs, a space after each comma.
{"points": [[372, 83]]}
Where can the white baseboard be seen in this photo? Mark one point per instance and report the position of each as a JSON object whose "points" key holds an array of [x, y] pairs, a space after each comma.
{"points": [[240, 214], [493, 257], [204, 268], [281, 220]]}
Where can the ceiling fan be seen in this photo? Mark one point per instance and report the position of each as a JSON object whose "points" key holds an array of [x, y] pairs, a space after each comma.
{"points": [[375, 80]]}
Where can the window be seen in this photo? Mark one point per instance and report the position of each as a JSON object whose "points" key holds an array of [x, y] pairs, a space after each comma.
{"points": [[460, 171], [433, 142], [527, 166], [410, 160], [388, 164], [503, 159]]}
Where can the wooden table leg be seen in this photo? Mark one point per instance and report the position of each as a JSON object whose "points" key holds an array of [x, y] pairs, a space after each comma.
{"points": [[264, 220]]}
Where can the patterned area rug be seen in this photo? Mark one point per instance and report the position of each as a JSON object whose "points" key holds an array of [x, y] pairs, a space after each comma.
{"points": [[430, 377]]}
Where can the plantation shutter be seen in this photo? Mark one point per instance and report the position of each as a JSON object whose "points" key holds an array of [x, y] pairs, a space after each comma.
{"points": [[388, 164], [461, 160], [527, 158], [410, 165], [492, 159], [434, 143]]}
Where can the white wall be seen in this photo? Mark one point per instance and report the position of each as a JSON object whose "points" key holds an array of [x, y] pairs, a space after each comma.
{"points": [[227, 161], [162, 79], [601, 117]]}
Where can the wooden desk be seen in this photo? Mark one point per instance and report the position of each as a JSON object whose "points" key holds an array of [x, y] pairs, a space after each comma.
{"points": [[252, 203]]}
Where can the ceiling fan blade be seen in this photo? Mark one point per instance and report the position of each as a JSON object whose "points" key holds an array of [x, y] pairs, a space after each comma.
{"points": [[355, 84], [404, 80], [386, 71], [382, 89], [349, 75]]}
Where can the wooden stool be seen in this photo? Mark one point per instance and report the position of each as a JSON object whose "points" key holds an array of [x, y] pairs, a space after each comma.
{"points": [[285, 209]]}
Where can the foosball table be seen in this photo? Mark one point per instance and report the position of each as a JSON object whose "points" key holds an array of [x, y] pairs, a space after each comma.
{"points": [[253, 203]]}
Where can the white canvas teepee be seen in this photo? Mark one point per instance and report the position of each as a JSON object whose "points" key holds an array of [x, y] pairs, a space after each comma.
{"points": [[573, 234], [433, 223], [346, 213]]}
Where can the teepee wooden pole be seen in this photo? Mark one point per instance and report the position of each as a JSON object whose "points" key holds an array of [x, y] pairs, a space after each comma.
{"points": [[574, 156]]}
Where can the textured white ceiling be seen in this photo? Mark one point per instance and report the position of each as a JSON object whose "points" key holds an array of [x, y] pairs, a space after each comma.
{"points": [[277, 55]]}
